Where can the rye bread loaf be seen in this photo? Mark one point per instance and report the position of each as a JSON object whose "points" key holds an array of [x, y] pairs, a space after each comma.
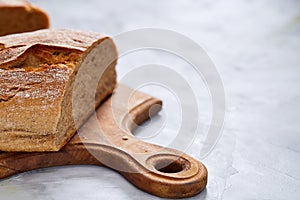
{"points": [[17, 16], [37, 74]]}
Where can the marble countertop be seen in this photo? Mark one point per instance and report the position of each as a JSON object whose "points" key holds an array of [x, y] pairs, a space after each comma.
{"points": [[255, 46]]}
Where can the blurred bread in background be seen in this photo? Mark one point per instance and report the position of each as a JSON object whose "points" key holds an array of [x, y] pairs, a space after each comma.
{"points": [[18, 16]]}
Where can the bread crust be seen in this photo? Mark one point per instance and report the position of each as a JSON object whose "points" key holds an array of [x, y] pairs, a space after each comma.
{"points": [[37, 72]]}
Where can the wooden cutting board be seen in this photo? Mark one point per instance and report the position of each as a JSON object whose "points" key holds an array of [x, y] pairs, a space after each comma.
{"points": [[106, 140]]}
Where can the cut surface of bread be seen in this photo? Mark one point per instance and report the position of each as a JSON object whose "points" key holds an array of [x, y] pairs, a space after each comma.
{"points": [[18, 16], [37, 75]]}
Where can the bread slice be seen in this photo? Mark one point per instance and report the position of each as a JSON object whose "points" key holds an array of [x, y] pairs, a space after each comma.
{"points": [[37, 74], [17, 16]]}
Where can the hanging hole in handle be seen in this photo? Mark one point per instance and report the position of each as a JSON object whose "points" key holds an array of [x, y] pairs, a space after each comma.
{"points": [[169, 163], [167, 167]]}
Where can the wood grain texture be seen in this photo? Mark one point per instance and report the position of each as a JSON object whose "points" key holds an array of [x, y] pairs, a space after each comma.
{"points": [[106, 140]]}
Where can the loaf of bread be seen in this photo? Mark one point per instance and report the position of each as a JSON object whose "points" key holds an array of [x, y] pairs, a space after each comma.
{"points": [[37, 75], [17, 16]]}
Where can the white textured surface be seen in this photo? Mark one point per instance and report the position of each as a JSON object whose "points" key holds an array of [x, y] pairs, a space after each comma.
{"points": [[255, 45]]}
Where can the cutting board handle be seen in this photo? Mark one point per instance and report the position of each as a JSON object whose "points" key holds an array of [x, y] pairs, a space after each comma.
{"points": [[106, 139]]}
